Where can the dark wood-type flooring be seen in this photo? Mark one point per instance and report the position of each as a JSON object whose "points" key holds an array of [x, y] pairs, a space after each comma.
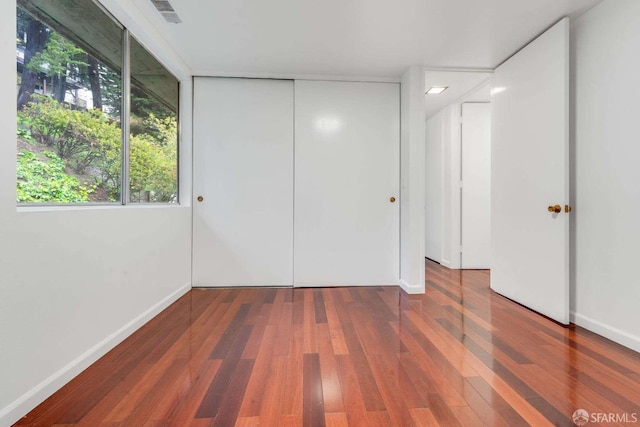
{"points": [[459, 355]]}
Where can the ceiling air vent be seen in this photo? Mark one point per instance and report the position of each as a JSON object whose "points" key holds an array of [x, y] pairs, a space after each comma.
{"points": [[166, 10]]}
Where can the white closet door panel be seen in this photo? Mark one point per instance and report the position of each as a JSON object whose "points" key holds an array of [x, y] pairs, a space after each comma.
{"points": [[243, 169], [346, 171]]}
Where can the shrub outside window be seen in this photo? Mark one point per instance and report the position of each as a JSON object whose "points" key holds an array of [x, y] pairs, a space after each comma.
{"points": [[153, 129]]}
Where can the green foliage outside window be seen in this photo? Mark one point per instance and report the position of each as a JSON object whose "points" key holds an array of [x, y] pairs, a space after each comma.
{"points": [[153, 162], [46, 181], [58, 57], [86, 143]]}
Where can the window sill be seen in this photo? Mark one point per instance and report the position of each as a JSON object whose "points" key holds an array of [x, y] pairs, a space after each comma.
{"points": [[98, 207]]}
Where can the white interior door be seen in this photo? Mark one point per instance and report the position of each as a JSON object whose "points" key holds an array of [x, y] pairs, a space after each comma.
{"points": [[476, 185], [346, 172], [243, 170], [530, 245]]}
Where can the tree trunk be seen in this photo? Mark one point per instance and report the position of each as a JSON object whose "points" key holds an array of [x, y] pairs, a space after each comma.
{"points": [[59, 88], [94, 81], [37, 37]]}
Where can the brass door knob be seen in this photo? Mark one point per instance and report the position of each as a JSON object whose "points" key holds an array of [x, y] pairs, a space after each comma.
{"points": [[200, 198], [555, 209], [392, 200], [568, 208]]}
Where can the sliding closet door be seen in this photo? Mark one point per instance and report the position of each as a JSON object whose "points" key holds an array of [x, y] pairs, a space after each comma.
{"points": [[346, 183], [243, 182]]}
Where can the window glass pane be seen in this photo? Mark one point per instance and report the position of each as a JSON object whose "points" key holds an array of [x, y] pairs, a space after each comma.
{"points": [[153, 143], [69, 91]]}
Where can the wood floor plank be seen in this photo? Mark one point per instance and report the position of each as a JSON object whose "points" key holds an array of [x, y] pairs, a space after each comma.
{"points": [[392, 384], [247, 422], [291, 420], [309, 335], [220, 384], [319, 307], [259, 379], [270, 410], [222, 347], [467, 417], [283, 338], [459, 354], [337, 337], [353, 401], [431, 373], [424, 418], [198, 384], [332, 393], [232, 399], [368, 387], [292, 393], [378, 419], [336, 419], [257, 334], [313, 398]]}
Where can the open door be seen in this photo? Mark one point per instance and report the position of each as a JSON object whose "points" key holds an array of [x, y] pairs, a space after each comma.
{"points": [[530, 175]]}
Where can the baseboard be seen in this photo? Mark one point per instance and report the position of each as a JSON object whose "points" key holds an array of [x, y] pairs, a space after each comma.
{"points": [[411, 289], [621, 337], [25, 403]]}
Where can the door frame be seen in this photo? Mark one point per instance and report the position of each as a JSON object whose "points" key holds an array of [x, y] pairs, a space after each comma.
{"points": [[415, 112]]}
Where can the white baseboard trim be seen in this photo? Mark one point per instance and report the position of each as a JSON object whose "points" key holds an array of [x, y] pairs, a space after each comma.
{"points": [[614, 334], [411, 289], [25, 403]]}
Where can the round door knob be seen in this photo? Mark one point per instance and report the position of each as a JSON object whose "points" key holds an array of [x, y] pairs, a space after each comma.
{"points": [[392, 200], [200, 198], [555, 209]]}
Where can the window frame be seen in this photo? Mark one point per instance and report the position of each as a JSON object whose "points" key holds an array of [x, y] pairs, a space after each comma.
{"points": [[126, 195], [125, 124]]}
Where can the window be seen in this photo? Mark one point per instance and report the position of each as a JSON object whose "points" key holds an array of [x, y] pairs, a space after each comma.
{"points": [[153, 141], [73, 82]]}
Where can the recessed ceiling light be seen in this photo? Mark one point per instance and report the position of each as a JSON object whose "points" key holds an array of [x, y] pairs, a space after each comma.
{"points": [[436, 90]]}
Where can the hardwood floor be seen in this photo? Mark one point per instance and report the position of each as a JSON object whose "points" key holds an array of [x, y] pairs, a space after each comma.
{"points": [[459, 355]]}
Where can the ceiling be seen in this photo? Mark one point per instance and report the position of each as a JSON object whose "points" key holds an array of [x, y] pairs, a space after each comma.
{"points": [[377, 38], [458, 85]]}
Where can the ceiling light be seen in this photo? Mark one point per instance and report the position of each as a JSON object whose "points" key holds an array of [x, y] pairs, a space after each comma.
{"points": [[497, 90], [436, 90]]}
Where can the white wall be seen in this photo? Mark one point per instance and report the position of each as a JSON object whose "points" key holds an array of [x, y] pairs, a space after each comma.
{"points": [[433, 189], [605, 67], [75, 282], [412, 131], [475, 217], [443, 191], [450, 117]]}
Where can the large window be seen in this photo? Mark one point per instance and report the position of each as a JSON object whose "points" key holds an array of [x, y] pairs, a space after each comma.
{"points": [[153, 133], [81, 80]]}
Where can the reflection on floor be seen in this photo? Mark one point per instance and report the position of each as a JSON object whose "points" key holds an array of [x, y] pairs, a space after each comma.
{"points": [[457, 355]]}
